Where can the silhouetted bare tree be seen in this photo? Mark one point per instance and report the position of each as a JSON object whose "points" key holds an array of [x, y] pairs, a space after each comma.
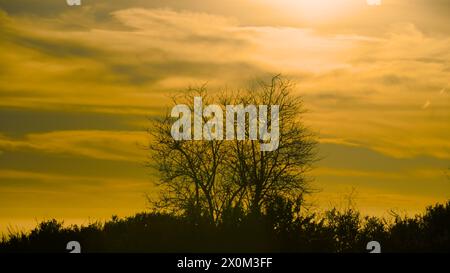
{"points": [[219, 177], [189, 169], [261, 176]]}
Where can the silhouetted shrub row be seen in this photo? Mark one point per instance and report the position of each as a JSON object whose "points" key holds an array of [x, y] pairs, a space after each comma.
{"points": [[278, 230]]}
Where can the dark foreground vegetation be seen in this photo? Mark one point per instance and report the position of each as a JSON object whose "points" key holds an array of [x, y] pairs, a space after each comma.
{"points": [[281, 229]]}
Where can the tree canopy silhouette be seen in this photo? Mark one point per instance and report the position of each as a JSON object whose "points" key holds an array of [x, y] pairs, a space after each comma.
{"points": [[218, 178]]}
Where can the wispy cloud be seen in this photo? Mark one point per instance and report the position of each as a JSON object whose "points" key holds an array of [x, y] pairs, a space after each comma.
{"points": [[106, 145], [377, 83]]}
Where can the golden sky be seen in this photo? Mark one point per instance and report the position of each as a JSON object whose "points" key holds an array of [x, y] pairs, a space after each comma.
{"points": [[78, 83]]}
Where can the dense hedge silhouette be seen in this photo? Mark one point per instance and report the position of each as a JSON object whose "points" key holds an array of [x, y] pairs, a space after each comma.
{"points": [[281, 229]]}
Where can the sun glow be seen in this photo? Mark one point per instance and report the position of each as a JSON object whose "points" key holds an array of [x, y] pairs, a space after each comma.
{"points": [[317, 9]]}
